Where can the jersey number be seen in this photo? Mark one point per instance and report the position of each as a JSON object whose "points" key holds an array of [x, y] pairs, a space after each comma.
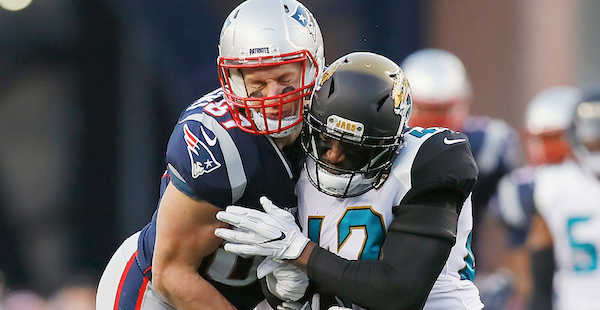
{"points": [[420, 133], [585, 255], [356, 218]]}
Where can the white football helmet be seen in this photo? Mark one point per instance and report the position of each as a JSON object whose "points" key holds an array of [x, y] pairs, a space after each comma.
{"points": [[584, 132], [551, 109], [439, 81], [262, 33], [547, 118], [360, 107]]}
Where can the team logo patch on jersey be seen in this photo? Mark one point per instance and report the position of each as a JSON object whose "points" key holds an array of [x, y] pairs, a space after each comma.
{"points": [[202, 159]]}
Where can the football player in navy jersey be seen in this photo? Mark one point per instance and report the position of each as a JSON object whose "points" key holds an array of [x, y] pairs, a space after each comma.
{"points": [[233, 145], [385, 209]]}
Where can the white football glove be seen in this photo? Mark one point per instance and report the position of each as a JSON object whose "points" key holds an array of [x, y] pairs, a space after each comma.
{"points": [[287, 282], [272, 233]]}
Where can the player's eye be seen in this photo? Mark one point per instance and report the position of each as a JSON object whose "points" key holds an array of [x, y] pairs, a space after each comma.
{"points": [[256, 94], [323, 144]]}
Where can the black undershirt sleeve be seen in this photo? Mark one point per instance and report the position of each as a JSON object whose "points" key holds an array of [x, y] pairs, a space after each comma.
{"points": [[542, 271], [414, 252]]}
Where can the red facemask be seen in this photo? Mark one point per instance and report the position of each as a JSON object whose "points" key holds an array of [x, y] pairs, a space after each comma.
{"points": [[547, 148]]}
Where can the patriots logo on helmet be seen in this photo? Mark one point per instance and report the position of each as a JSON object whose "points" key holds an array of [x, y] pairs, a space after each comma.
{"points": [[305, 19], [202, 159], [301, 16]]}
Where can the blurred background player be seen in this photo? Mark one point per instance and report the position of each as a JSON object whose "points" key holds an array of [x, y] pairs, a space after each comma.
{"points": [[442, 95], [388, 209], [544, 137], [567, 199], [230, 146]]}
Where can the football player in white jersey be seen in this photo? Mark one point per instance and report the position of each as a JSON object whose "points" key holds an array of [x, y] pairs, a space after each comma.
{"points": [[567, 196], [547, 118], [385, 209]]}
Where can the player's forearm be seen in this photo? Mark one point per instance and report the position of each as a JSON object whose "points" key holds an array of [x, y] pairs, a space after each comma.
{"points": [[402, 280], [302, 261], [542, 270], [188, 290]]}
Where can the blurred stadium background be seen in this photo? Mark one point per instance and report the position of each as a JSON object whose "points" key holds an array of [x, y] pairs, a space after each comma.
{"points": [[90, 90]]}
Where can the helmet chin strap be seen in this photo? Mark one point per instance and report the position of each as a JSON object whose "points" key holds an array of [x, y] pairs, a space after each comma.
{"points": [[337, 184], [273, 124]]}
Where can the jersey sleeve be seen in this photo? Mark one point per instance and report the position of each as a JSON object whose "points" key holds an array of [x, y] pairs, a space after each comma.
{"points": [[204, 161], [443, 162], [514, 204], [402, 279]]}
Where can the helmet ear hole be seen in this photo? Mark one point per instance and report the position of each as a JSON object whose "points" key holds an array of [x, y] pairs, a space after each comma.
{"points": [[331, 88], [382, 101]]}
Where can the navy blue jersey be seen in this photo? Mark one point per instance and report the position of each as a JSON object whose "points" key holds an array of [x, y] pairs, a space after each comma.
{"points": [[515, 204], [497, 151], [210, 159]]}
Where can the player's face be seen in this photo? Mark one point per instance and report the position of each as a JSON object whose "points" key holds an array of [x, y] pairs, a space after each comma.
{"points": [[274, 81], [450, 114], [342, 155], [547, 148]]}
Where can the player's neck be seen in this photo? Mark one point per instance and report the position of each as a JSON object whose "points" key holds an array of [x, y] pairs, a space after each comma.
{"points": [[282, 142]]}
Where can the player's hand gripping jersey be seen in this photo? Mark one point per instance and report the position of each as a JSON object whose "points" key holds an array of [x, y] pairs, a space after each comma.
{"points": [[433, 160]]}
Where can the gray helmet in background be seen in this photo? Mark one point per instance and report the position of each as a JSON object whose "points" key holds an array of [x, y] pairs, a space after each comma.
{"points": [[551, 109], [439, 83]]}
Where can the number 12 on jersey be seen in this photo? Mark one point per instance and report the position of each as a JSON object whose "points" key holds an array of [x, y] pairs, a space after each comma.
{"points": [[360, 232]]}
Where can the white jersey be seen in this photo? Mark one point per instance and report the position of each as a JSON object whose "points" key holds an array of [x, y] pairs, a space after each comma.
{"points": [[568, 198], [355, 228]]}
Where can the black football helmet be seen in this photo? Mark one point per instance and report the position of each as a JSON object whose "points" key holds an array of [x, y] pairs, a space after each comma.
{"points": [[363, 101]]}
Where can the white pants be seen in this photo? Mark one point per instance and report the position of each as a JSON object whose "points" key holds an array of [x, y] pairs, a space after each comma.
{"points": [[123, 286]]}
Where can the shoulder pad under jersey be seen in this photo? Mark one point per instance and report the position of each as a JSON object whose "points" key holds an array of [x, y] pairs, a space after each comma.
{"points": [[435, 158], [204, 158]]}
